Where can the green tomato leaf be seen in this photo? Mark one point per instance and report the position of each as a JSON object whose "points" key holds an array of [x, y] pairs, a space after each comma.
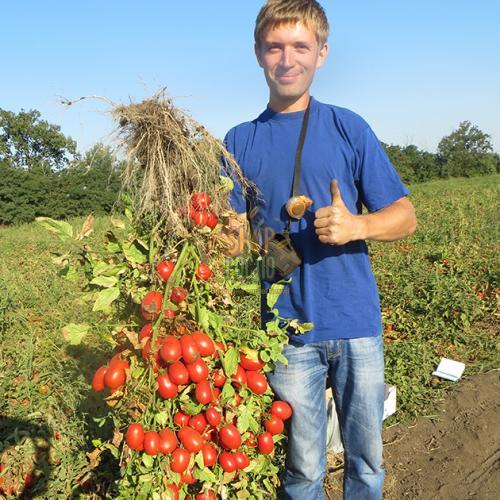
{"points": [[61, 228], [105, 281], [147, 460], [117, 223], [74, 333], [133, 253], [161, 418], [226, 183], [273, 294], [105, 298], [204, 474], [305, 327], [203, 318], [230, 361], [227, 391]]}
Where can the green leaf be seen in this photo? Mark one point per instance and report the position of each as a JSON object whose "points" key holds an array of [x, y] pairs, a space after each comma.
{"points": [[117, 223], [70, 273], [133, 253], [204, 474], [74, 333], [105, 281], [203, 318], [227, 391], [105, 298], [230, 361], [226, 183], [305, 327], [128, 214], [161, 418], [273, 294], [147, 460], [61, 228], [113, 247]]}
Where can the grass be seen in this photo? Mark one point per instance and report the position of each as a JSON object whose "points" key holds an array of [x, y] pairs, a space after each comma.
{"points": [[438, 291]]}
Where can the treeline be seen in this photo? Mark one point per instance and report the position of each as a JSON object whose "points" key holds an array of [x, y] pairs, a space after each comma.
{"points": [[42, 173]]}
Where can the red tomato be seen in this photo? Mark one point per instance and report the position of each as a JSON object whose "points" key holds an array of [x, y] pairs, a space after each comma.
{"points": [[212, 219], [169, 313], [135, 437], [209, 454], [240, 377], [117, 361], [98, 380], [265, 443], [187, 477], [206, 495], [274, 424], [218, 377], [230, 437], [203, 272], [181, 419], [165, 268], [168, 441], [114, 377], [151, 305], [213, 417], [251, 364], [146, 331], [180, 460], [227, 461], [166, 388], [178, 294], [198, 422], [215, 395], [257, 382], [190, 439], [151, 443], [178, 373], [146, 350], [204, 343], [237, 399], [198, 370], [170, 349], [281, 409], [219, 346], [190, 352], [250, 441], [200, 219], [175, 491], [241, 459], [203, 392], [200, 200]]}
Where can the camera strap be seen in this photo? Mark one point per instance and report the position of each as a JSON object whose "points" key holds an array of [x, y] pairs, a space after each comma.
{"points": [[298, 158]]}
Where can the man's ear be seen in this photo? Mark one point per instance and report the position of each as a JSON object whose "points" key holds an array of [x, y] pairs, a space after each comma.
{"points": [[322, 55], [257, 54]]}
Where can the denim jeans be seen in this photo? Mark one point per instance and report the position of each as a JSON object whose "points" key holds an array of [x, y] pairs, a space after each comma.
{"points": [[356, 371]]}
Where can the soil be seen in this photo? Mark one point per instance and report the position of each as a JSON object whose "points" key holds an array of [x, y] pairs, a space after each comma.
{"points": [[452, 455]]}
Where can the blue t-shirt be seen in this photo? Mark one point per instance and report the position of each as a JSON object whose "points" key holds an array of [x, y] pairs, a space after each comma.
{"points": [[334, 288]]}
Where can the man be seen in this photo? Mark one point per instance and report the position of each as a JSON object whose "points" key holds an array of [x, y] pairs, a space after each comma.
{"points": [[333, 287]]}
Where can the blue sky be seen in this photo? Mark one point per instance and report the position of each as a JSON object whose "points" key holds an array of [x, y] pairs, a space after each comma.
{"points": [[413, 70]]}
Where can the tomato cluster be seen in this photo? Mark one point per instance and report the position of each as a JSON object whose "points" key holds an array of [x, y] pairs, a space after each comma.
{"points": [[113, 375], [199, 212]]}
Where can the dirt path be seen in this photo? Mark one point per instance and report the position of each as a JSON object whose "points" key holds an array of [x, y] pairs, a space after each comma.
{"points": [[454, 455]]}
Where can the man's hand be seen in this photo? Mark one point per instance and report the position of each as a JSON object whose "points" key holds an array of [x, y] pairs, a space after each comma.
{"points": [[334, 224], [233, 235]]}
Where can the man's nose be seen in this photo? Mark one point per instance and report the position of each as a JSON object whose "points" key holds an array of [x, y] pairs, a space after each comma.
{"points": [[287, 58]]}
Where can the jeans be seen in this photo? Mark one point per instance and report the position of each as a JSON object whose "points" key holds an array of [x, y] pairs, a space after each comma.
{"points": [[356, 371]]}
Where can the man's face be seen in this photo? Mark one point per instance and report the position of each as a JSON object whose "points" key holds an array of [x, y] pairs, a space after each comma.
{"points": [[289, 55]]}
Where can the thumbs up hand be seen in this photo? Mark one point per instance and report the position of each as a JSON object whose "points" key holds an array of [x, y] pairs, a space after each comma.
{"points": [[334, 224]]}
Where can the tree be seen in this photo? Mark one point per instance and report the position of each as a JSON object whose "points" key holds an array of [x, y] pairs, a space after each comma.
{"points": [[412, 164], [467, 151], [28, 142]]}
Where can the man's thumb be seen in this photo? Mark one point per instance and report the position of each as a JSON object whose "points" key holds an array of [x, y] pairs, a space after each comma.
{"points": [[334, 189]]}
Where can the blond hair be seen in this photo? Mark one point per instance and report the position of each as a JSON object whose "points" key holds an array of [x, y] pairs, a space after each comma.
{"points": [[277, 12]]}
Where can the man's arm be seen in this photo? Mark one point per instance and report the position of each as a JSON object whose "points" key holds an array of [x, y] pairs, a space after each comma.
{"points": [[336, 225]]}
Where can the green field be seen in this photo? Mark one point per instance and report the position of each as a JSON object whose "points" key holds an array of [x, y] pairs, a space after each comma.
{"points": [[438, 289]]}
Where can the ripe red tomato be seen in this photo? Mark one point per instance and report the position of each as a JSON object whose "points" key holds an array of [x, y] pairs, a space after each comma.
{"points": [[165, 268], [151, 305], [166, 388], [200, 200], [209, 454], [181, 419], [257, 382], [180, 460], [170, 349], [146, 331], [230, 437], [265, 443], [203, 392], [240, 377], [212, 219], [274, 424], [215, 396], [98, 380], [250, 441], [203, 272], [175, 491], [213, 417], [168, 441], [204, 343], [237, 399], [218, 378], [241, 459], [227, 461], [206, 495], [190, 439], [190, 352], [151, 443], [135, 437], [114, 377], [169, 313], [200, 218], [178, 294], [117, 361], [198, 422], [218, 346], [251, 364], [198, 370], [178, 373], [281, 409], [187, 477]]}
